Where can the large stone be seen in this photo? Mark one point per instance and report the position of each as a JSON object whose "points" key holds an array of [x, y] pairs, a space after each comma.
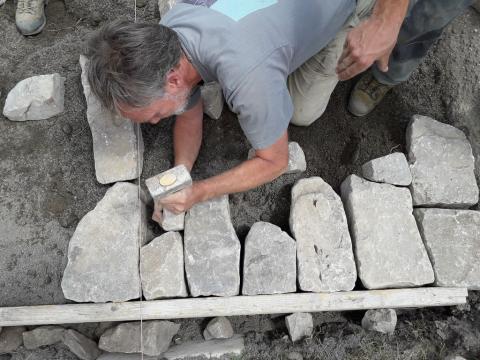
{"points": [[212, 349], [442, 164], [381, 320], [80, 345], [43, 335], [296, 158], [270, 261], [11, 339], [103, 253], [324, 247], [388, 247], [212, 96], [117, 141], [164, 6], [452, 239], [391, 169], [36, 98], [120, 356], [161, 267], [299, 325], [218, 328], [212, 250], [125, 338]]}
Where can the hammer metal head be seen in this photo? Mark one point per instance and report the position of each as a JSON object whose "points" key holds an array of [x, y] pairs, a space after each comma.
{"points": [[168, 182]]}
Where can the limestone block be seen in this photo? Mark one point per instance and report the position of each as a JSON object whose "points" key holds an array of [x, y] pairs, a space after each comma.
{"points": [[43, 335], [442, 164], [161, 267], [168, 182], [164, 6], [117, 143], [391, 169], [452, 239], [11, 339], [218, 328], [212, 250], [299, 325], [296, 158], [269, 262], [388, 247], [80, 345], [212, 96], [381, 320], [212, 349], [103, 252], [36, 98], [172, 222], [324, 247]]}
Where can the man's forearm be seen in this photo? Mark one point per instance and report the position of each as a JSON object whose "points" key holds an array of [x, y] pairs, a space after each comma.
{"points": [[390, 12]]}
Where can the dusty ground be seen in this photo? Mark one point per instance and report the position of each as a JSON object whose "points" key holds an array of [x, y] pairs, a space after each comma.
{"points": [[48, 180]]}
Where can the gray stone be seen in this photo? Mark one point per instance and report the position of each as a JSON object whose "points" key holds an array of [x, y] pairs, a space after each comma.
{"points": [[212, 250], [296, 158], [270, 261], [211, 349], [125, 338], [11, 339], [161, 267], [218, 328], [43, 335], [388, 247], [181, 177], [36, 98], [103, 252], [120, 356], [212, 96], [80, 345], [299, 325], [172, 222], [458, 357], [164, 6], [391, 169], [324, 247], [381, 320], [117, 143], [294, 356], [452, 239], [442, 164]]}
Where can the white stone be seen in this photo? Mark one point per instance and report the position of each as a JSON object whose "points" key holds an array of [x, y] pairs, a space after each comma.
{"points": [[80, 345], [452, 239], [161, 267], [388, 248], [296, 158], [43, 335], [36, 98], [103, 253], [164, 6], [212, 349], [442, 164], [299, 325], [11, 339], [172, 221], [212, 250], [391, 169], [212, 96], [181, 177], [324, 247], [218, 328], [120, 356], [270, 261], [381, 320]]}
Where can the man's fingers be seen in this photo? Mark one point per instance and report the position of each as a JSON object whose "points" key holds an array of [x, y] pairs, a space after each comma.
{"points": [[382, 63], [352, 71], [344, 64], [158, 216]]}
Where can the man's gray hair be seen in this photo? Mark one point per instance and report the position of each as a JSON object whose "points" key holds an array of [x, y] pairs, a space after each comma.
{"points": [[128, 62]]}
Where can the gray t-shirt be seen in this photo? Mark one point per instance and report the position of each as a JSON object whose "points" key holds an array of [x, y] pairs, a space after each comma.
{"points": [[251, 46]]}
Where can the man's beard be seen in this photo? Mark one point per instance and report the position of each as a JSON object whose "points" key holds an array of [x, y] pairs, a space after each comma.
{"points": [[184, 104]]}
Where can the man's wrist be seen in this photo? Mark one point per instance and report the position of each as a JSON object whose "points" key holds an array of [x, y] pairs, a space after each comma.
{"points": [[200, 191]]}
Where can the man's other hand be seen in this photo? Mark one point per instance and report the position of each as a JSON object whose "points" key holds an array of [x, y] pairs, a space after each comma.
{"points": [[182, 200]]}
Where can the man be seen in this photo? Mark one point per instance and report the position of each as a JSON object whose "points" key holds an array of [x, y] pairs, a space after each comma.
{"points": [[277, 63]]}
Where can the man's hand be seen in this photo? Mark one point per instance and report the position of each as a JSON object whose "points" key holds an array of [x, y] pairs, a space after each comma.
{"points": [[180, 201]]}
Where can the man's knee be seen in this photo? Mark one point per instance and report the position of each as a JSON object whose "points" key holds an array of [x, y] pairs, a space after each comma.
{"points": [[302, 119]]}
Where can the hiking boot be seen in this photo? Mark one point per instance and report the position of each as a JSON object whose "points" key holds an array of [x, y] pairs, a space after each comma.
{"points": [[366, 95], [30, 16]]}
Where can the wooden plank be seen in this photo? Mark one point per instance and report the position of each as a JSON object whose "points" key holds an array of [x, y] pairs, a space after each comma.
{"points": [[238, 305]]}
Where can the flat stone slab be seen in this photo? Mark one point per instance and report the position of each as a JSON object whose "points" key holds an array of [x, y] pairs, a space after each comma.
{"points": [[388, 248], [324, 247], [211, 349], [164, 6], [117, 144], [11, 339], [270, 261], [43, 335], [212, 95], [172, 222], [103, 252], [391, 169], [382, 320], [161, 267], [442, 164], [452, 239], [80, 345], [299, 325], [168, 182], [212, 250], [296, 158], [218, 328], [36, 98]]}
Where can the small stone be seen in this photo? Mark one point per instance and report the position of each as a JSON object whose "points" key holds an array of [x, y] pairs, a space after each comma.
{"points": [[218, 328], [165, 5], [43, 335], [391, 169], [381, 320], [36, 98], [299, 325], [80, 345], [11, 339], [294, 356], [141, 3], [172, 222], [211, 349], [161, 267], [296, 158], [212, 96], [269, 261], [120, 356], [457, 357], [161, 185], [67, 129]]}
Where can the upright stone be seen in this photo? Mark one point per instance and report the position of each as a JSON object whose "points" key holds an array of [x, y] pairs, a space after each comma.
{"points": [[442, 164], [452, 238], [103, 252], [382, 320], [388, 247], [218, 328], [212, 96], [212, 250], [117, 151], [11, 339], [324, 248], [80, 345], [172, 222], [299, 325], [43, 335], [296, 158], [164, 6], [270, 261], [391, 169]]}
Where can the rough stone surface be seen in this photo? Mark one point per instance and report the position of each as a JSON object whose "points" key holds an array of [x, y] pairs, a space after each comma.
{"points": [[165, 5], [43, 335], [452, 239], [80, 345], [211, 349], [212, 250], [442, 164], [381, 320], [11, 338], [103, 252], [115, 142], [388, 247], [296, 158], [212, 96], [324, 247], [299, 325], [125, 338], [270, 261], [172, 222], [218, 328], [161, 267], [120, 356], [458, 357], [158, 191], [391, 169]]}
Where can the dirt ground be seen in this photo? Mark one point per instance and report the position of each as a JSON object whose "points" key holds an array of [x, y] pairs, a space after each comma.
{"points": [[48, 181]]}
